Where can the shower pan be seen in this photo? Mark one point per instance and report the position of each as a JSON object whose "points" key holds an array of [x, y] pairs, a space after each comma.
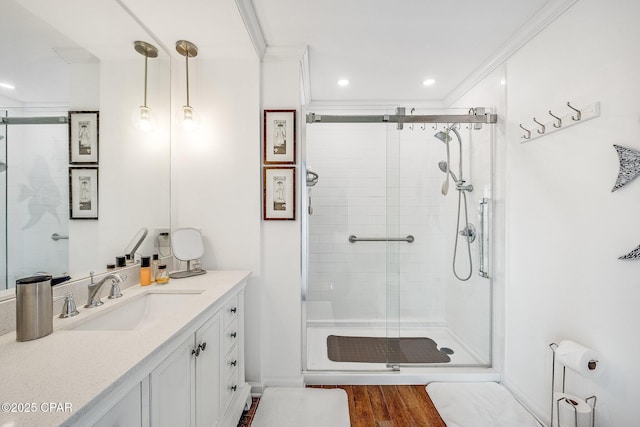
{"points": [[379, 295]]}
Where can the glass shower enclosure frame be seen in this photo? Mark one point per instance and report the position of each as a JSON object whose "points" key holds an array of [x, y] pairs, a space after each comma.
{"points": [[379, 239]]}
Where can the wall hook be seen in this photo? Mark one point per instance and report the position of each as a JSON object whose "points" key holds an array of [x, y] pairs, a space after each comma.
{"points": [[541, 125], [411, 125], [528, 135], [556, 125], [578, 116], [471, 112]]}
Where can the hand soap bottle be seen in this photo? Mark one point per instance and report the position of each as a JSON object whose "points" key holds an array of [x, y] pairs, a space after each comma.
{"points": [[145, 271]]}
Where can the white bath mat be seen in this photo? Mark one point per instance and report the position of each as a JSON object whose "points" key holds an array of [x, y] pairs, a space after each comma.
{"points": [[479, 405], [298, 407]]}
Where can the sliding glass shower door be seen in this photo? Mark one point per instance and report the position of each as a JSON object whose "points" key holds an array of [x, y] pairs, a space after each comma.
{"points": [[380, 293]]}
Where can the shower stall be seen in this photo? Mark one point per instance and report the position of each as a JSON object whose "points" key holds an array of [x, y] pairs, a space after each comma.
{"points": [[397, 234]]}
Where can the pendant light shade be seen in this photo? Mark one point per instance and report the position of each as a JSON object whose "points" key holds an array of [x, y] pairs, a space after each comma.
{"points": [[143, 118], [187, 116]]}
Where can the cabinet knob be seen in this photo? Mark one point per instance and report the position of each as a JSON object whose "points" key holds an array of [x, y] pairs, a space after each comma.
{"points": [[233, 334], [234, 387], [199, 348], [234, 363], [233, 310]]}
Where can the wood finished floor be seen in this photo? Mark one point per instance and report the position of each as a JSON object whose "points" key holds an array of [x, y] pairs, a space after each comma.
{"points": [[382, 406]]}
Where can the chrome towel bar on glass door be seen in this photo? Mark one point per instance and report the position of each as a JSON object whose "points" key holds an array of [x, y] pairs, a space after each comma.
{"points": [[408, 239]]}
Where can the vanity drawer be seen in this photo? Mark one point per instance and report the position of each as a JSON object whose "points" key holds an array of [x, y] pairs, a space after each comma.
{"points": [[231, 336], [230, 390], [230, 311], [230, 364]]}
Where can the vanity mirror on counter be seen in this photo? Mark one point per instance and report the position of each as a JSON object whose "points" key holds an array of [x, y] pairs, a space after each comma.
{"points": [[76, 56]]}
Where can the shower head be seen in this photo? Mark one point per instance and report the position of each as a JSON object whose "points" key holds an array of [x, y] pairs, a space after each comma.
{"points": [[444, 167], [443, 136]]}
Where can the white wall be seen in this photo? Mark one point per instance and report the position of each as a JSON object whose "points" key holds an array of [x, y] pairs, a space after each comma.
{"points": [[280, 249], [215, 175], [565, 228]]}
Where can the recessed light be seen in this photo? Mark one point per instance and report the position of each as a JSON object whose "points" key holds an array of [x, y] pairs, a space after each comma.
{"points": [[343, 82], [7, 86], [428, 82]]}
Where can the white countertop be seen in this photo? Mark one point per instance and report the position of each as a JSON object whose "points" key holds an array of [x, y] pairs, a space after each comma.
{"points": [[76, 367]]}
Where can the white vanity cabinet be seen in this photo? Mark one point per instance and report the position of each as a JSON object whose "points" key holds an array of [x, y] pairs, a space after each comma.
{"points": [[185, 388], [200, 383], [182, 368], [129, 410], [195, 380]]}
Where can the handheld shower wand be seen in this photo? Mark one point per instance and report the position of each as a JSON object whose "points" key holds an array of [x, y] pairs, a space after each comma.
{"points": [[444, 137]]}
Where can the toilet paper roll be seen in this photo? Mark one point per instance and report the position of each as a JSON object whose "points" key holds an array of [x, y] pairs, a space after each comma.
{"points": [[568, 407], [577, 358]]}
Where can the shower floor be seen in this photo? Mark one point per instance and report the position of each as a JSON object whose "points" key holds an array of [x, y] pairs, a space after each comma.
{"points": [[318, 359]]}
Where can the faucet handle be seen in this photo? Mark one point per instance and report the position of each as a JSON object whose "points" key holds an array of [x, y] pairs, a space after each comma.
{"points": [[69, 308], [115, 290]]}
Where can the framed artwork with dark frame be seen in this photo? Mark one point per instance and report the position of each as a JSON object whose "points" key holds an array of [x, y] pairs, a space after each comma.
{"points": [[83, 193], [279, 137], [84, 132], [279, 191]]}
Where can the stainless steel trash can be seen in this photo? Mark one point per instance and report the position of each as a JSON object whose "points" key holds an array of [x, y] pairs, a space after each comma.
{"points": [[34, 307]]}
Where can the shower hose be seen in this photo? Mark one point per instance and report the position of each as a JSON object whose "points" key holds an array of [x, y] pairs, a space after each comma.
{"points": [[462, 195]]}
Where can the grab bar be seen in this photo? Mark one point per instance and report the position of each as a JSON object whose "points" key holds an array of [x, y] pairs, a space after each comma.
{"points": [[408, 239], [56, 237], [482, 253]]}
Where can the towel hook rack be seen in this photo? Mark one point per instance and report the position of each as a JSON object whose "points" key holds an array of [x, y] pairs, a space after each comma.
{"points": [[541, 125], [578, 116], [556, 125], [411, 125]]}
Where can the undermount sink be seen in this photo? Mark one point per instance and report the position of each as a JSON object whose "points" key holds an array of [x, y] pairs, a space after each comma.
{"points": [[137, 312]]}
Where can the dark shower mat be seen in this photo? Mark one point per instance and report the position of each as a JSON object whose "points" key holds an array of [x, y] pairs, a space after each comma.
{"points": [[383, 350]]}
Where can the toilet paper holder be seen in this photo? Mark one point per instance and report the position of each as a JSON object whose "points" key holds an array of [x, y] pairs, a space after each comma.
{"points": [[591, 400]]}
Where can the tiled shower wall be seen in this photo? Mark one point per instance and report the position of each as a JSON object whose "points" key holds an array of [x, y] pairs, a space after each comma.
{"points": [[377, 181]]}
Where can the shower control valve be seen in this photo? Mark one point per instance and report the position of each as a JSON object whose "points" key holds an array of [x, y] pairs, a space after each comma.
{"points": [[469, 232]]}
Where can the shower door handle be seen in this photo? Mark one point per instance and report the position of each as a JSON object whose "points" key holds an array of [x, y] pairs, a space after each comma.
{"points": [[408, 239], [483, 237]]}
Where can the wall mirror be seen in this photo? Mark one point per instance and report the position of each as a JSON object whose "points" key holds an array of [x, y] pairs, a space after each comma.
{"points": [[78, 56]]}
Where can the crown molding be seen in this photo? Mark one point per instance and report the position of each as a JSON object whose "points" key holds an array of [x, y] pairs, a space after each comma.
{"points": [[305, 78], [252, 24], [535, 25]]}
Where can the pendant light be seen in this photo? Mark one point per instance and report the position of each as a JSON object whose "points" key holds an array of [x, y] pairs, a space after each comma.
{"points": [[143, 117], [187, 116]]}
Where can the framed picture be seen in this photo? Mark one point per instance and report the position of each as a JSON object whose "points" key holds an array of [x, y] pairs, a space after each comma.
{"points": [[83, 137], [83, 193], [279, 189], [280, 137]]}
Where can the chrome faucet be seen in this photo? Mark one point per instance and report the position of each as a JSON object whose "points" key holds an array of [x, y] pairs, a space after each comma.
{"points": [[93, 299]]}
